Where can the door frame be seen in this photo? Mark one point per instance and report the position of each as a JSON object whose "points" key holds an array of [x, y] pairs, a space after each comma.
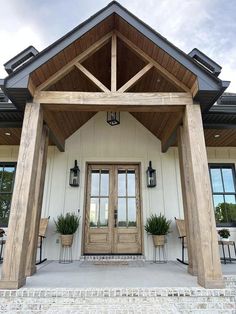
{"points": [[87, 163]]}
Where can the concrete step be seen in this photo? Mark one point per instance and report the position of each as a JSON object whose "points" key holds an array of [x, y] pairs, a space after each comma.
{"points": [[119, 300], [230, 281]]}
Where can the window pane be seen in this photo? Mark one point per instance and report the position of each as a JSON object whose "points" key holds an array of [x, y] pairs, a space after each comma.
{"points": [[220, 214], [218, 199], [122, 212], [95, 183], [94, 212], [7, 179], [217, 185], [121, 183], [228, 180], [5, 203], [131, 182], [104, 212], [230, 199], [230, 205], [132, 212], [104, 183]]}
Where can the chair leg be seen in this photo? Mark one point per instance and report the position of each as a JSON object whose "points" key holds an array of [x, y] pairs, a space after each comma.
{"points": [[179, 260], [1, 259], [41, 252]]}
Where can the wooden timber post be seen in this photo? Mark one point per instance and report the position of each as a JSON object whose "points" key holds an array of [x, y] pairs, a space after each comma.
{"points": [[37, 206], [188, 201], [200, 213], [13, 271]]}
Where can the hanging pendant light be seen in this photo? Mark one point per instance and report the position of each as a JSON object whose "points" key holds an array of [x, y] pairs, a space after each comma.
{"points": [[113, 118]]}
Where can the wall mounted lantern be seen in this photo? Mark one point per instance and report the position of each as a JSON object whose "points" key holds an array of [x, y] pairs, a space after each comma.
{"points": [[74, 175], [151, 176], [113, 118]]}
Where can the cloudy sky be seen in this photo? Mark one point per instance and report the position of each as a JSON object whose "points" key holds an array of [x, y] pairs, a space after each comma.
{"points": [[209, 25]]}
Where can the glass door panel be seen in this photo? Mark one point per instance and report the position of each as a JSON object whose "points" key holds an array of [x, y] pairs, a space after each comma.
{"points": [[99, 198], [126, 198]]}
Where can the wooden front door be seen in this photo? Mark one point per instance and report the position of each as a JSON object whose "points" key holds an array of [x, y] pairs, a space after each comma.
{"points": [[113, 218]]}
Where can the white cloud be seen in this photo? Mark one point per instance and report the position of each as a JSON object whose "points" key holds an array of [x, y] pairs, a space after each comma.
{"points": [[16, 41]]}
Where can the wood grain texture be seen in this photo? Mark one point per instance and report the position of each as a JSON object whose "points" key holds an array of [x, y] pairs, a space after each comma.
{"points": [[168, 75], [69, 65], [13, 139], [113, 99], [48, 69], [188, 201], [92, 78], [37, 204], [13, 271], [166, 61], [111, 239], [134, 80], [114, 63], [170, 128], [197, 178], [55, 129]]}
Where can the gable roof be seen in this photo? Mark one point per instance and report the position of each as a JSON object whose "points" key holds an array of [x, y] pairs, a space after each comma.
{"points": [[211, 87]]}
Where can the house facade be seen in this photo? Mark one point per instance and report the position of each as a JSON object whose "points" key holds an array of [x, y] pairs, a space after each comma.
{"points": [[168, 107]]}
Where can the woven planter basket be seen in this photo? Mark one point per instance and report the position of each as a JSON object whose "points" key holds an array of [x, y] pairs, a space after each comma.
{"points": [[67, 239], [158, 240]]}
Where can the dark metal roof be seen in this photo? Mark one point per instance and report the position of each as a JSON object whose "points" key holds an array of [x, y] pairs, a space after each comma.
{"points": [[210, 87], [20, 58], [223, 114], [205, 61]]}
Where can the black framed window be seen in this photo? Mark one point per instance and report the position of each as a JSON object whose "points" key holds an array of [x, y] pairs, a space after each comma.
{"points": [[7, 176], [223, 185]]}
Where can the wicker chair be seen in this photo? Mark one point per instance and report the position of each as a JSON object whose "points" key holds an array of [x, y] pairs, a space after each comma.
{"points": [[180, 224], [42, 235]]}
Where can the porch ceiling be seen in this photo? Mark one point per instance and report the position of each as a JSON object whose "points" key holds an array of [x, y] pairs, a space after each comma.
{"points": [[128, 62], [155, 122]]}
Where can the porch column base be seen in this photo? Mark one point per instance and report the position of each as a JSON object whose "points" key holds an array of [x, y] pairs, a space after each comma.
{"points": [[31, 271], [12, 284], [211, 283], [192, 271]]}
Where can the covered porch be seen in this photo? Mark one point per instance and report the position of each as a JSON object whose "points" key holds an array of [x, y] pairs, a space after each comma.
{"points": [[110, 65], [87, 275]]}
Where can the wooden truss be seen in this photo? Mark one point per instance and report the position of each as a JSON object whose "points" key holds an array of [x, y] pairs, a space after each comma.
{"points": [[76, 62]]}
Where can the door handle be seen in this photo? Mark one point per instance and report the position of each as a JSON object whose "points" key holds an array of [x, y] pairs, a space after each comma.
{"points": [[115, 217]]}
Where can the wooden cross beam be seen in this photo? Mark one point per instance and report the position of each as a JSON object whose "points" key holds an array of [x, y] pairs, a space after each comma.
{"points": [[142, 102], [70, 65], [92, 78], [170, 77]]}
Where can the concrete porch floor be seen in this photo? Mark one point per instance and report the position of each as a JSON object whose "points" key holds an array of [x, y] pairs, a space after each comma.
{"points": [[78, 274]]}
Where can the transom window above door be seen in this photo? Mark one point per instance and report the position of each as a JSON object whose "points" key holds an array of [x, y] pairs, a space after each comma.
{"points": [[224, 193]]}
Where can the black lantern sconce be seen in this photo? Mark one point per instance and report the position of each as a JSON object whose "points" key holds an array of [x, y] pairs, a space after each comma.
{"points": [[151, 176], [113, 118], [74, 175]]}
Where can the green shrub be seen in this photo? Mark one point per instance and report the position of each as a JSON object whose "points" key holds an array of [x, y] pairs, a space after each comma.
{"points": [[157, 225], [224, 233], [67, 224]]}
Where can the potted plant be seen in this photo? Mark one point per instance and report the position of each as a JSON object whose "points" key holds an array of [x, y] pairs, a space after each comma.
{"points": [[224, 234], [158, 227], [67, 225]]}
